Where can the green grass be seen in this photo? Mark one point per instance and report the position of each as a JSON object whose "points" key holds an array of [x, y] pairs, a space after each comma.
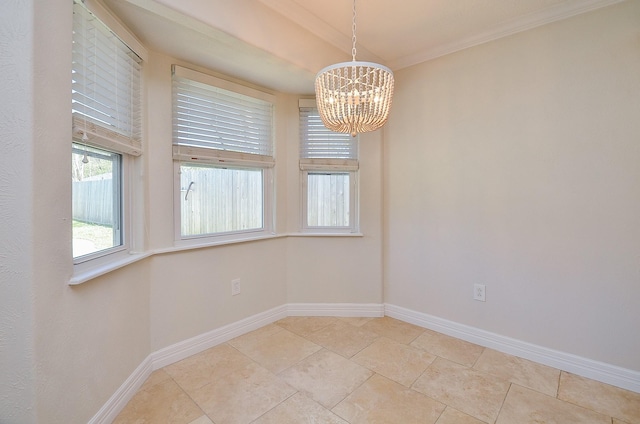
{"points": [[89, 238]]}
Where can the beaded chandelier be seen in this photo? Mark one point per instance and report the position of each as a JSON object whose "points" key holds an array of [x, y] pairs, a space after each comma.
{"points": [[354, 97]]}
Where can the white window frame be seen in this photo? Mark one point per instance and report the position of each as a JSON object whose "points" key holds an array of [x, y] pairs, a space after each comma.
{"points": [[327, 165], [230, 236], [90, 133], [105, 256], [353, 226], [194, 154]]}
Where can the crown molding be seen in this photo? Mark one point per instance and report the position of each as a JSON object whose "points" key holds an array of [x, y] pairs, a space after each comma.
{"points": [[527, 22]]}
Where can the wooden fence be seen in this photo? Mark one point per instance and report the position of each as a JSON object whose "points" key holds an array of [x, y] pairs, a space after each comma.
{"points": [[220, 200], [93, 201], [328, 200]]}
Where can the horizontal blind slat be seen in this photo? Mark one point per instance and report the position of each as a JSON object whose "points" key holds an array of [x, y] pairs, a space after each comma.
{"points": [[217, 126], [318, 142], [221, 114], [106, 78], [210, 117]]}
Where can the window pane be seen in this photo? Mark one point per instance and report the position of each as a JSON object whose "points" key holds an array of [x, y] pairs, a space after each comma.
{"points": [[96, 200], [328, 200], [220, 200]]}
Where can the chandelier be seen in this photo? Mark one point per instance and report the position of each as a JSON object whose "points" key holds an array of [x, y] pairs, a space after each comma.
{"points": [[354, 97]]}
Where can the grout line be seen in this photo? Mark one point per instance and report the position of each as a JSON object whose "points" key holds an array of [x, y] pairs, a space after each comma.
{"points": [[183, 390], [473, 366], [374, 373], [442, 413], [504, 400], [266, 412], [424, 330], [558, 385], [353, 391], [368, 345]]}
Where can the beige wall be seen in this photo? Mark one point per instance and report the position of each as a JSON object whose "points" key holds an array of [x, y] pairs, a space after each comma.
{"points": [[516, 164], [191, 290], [512, 164], [73, 347], [86, 340], [17, 373], [344, 269]]}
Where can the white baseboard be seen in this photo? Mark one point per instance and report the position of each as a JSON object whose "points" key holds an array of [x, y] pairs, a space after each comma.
{"points": [[335, 309], [620, 377], [600, 371], [197, 344], [123, 395], [177, 352]]}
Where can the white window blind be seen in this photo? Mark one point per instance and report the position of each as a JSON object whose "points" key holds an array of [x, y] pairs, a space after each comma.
{"points": [[321, 148], [218, 121], [106, 79]]}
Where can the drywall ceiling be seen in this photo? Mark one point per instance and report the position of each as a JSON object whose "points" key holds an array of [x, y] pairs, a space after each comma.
{"points": [[282, 44]]}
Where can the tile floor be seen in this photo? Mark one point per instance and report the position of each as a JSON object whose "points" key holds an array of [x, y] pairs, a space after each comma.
{"points": [[368, 370]]}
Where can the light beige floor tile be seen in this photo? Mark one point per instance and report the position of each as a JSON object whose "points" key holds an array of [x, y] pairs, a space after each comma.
{"points": [[164, 402], [448, 347], [326, 377], [526, 406], [158, 376], [453, 416], [299, 409], [397, 361], [224, 381], [357, 321], [242, 396], [253, 337], [202, 420], [275, 351], [381, 400], [394, 329], [470, 391], [342, 338], [303, 326], [520, 371], [200, 369], [613, 401]]}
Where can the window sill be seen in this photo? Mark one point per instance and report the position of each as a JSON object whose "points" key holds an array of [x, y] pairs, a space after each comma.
{"points": [[324, 234], [94, 272], [195, 245]]}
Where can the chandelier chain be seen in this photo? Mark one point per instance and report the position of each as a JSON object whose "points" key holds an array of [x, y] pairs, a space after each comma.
{"points": [[353, 49]]}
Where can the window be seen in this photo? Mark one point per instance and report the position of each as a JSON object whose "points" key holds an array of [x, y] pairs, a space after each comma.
{"points": [[220, 200], [328, 199], [106, 136], [223, 155], [97, 199], [329, 165]]}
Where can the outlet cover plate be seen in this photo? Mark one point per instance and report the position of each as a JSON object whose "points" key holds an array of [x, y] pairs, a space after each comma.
{"points": [[479, 292], [235, 287]]}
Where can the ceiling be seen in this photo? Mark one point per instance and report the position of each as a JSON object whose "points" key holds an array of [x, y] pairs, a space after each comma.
{"points": [[282, 44]]}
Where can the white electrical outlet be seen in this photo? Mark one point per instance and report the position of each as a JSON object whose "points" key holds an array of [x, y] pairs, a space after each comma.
{"points": [[479, 292], [235, 287]]}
